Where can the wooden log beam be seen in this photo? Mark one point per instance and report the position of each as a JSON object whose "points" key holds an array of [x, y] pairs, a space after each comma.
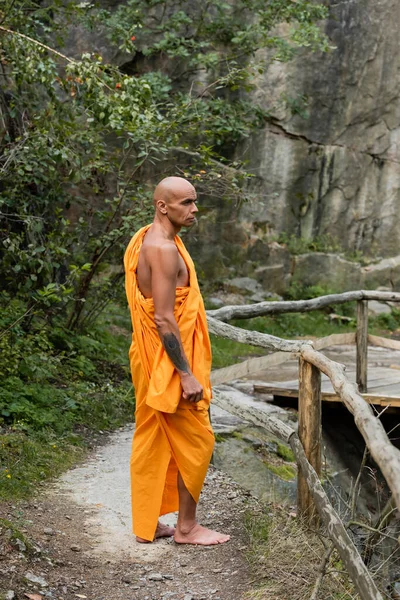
{"points": [[309, 433], [348, 552], [247, 311], [254, 338], [382, 450], [255, 415], [248, 367], [362, 345], [335, 339], [376, 340], [386, 456]]}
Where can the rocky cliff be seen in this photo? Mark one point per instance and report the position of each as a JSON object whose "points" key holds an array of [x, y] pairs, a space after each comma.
{"points": [[334, 170], [327, 162]]}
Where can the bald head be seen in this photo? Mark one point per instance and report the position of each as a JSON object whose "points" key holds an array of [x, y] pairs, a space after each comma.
{"points": [[171, 188]]}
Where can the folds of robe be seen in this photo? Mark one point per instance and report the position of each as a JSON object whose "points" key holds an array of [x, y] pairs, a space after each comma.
{"points": [[171, 433]]}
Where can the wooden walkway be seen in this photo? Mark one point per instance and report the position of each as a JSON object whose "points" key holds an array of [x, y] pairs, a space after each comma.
{"points": [[383, 387]]}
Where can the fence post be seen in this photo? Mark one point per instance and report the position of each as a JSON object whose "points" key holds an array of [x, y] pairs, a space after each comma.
{"points": [[362, 344], [309, 433]]}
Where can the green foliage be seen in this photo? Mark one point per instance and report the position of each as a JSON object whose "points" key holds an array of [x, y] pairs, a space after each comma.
{"points": [[389, 321], [79, 140], [300, 245], [79, 134], [58, 389]]}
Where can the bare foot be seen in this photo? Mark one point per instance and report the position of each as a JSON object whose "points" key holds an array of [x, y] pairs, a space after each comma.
{"points": [[201, 536], [161, 531]]}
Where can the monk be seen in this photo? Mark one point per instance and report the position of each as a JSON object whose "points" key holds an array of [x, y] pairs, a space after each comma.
{"points": [[170, 360]]}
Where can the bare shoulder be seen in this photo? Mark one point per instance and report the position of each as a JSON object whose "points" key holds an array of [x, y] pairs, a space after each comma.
{"points": [[162, 254]]}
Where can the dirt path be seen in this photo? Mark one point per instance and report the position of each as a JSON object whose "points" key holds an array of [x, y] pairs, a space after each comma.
{"points": [[80, 529]]}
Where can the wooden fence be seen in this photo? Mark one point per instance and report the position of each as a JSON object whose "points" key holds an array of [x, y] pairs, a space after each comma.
{"points": [[313, 503]]}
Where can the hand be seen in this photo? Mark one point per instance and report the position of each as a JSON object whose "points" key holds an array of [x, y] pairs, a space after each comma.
{"points": [[192, 390]]}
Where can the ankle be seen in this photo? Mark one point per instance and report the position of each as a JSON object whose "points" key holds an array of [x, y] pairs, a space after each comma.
{"points": [[185, 527]]}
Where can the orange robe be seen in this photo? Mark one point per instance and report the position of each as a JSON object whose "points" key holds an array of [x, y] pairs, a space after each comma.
{"points": [[171, 433]]}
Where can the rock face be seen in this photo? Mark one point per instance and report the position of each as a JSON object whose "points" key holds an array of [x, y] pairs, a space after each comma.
{"points": [[335, 172], [326, 162]]}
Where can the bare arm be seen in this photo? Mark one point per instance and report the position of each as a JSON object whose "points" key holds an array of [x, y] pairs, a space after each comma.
{"points": [[164, 264]]}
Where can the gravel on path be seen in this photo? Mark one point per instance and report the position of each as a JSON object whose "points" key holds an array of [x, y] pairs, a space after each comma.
{"points": [[82, 545]]}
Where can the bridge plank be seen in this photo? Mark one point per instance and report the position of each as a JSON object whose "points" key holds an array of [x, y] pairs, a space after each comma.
{"points": [[281, 388]]}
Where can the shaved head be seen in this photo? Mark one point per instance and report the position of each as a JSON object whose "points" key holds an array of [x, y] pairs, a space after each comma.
{"points": [[172, 187]]}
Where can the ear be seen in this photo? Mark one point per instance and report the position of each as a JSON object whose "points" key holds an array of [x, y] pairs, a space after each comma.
{"points": [[161, 206]]}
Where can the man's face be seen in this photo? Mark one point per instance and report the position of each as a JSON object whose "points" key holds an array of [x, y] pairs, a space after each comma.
{"points": [[182, 209]]}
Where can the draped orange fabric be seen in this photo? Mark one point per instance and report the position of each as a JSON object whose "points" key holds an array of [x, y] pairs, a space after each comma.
{"points": [[171, 433]]}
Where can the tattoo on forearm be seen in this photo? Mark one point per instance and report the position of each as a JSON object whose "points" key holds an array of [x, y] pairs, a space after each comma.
{"points": [[174, 351]]}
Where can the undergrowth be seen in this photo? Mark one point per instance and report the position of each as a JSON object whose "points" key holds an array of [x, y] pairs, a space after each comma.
{"points": [[284, 556], [322, 243], [58, 390]]}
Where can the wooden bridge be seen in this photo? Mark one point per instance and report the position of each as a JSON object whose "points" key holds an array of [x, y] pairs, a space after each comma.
{"points": [[383, 371], [383, 388], [377, 384], [351, 388]]}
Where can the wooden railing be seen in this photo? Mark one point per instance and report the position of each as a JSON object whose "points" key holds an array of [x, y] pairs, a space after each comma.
{"points": [[312, 501]]}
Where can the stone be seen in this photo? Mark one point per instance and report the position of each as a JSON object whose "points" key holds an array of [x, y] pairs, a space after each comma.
{"points": [[10, 595], [327, 270], [378, 308], [214, 302], [75, 548], [48, 531], [385, 273], [35, 579], [20, 545], [247, 285], [155, 577], [273, 278]]}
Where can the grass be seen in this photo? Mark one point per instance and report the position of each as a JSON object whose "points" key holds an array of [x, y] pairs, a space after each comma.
{"points": [[226, 352], [14, 535], [29, 459], [284, 556], [323, 243]]}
